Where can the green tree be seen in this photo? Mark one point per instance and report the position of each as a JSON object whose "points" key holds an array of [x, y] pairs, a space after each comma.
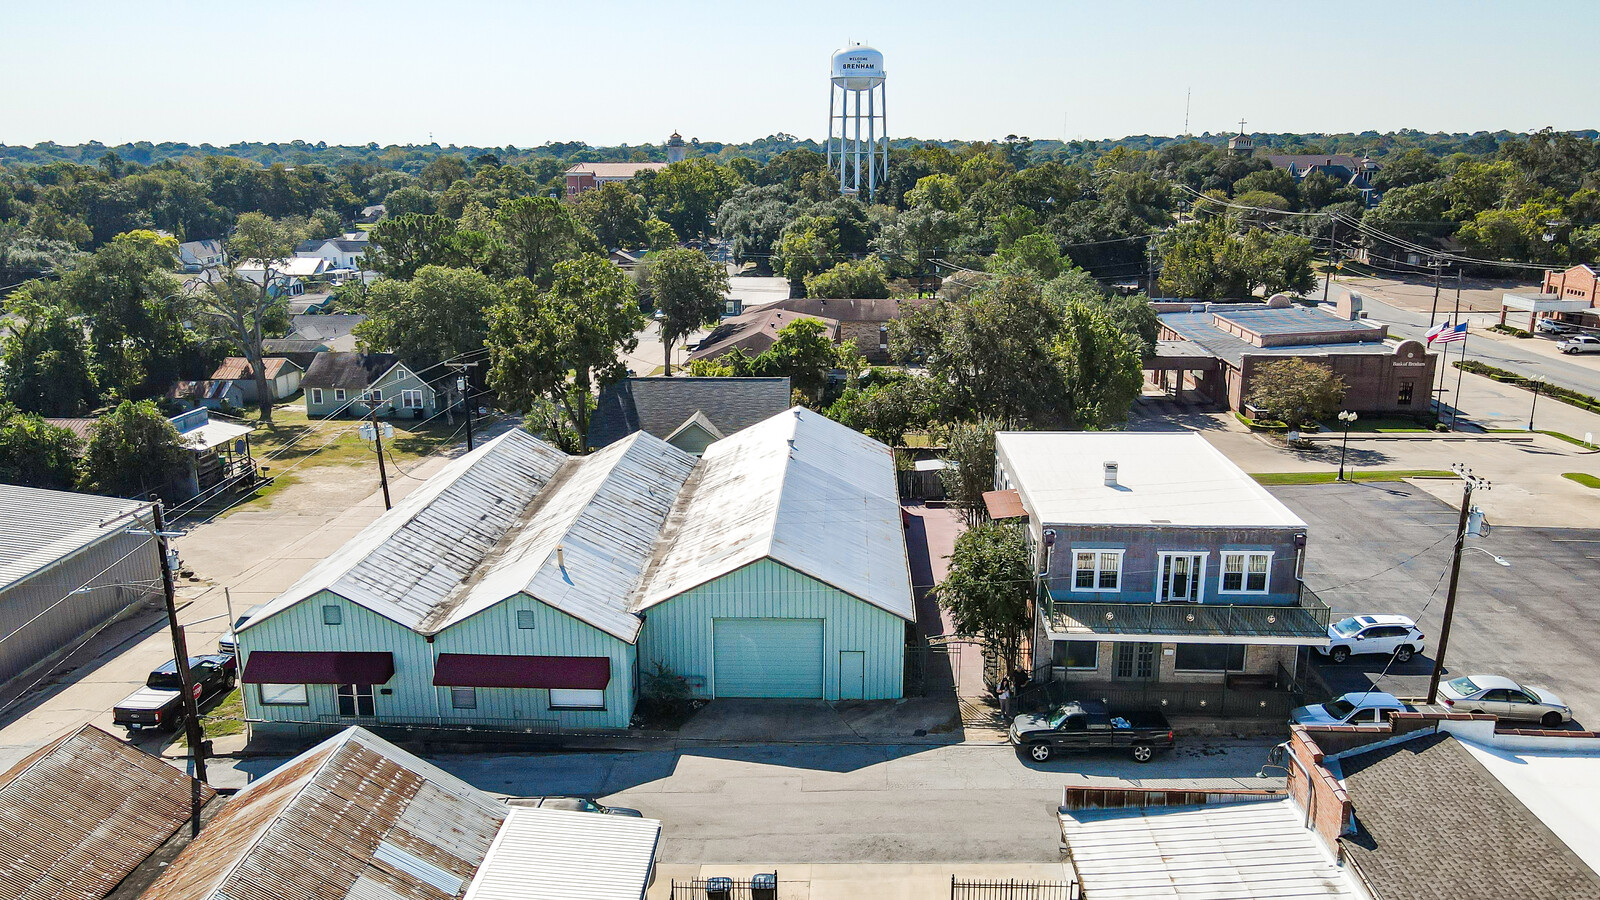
{"points": [[399, 246], [887, 410], [867, 279], [527, 365], [753, 219], [440, 314], [808, 245], [615, 215], [132, 306], [44, 360], [1101, 366], [688, 290], [1296, 391], [1208, 260], [803, 352], [989, 589], [686, 194], [243, 308], [133, 451], [34, 453], [969, 449], [1032, 254], [537, 233]]}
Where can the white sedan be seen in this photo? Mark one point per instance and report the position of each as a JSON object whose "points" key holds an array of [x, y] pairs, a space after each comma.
{"points": [[1498, 696]]}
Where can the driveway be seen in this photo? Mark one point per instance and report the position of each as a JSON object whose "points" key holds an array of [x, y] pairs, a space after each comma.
{"points": [[776, 805], [1385, 548]]}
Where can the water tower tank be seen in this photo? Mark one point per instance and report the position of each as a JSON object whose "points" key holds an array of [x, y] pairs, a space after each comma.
{"points": [[857, 68]]}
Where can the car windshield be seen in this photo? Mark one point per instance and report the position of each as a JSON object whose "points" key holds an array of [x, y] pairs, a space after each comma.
{"points": [[1346, 627], [1058, 718], [1338, 708], [1463, 686]]}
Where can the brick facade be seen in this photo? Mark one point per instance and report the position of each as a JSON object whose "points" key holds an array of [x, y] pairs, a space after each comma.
{"points": [[1576, 283], [1320, 792]]}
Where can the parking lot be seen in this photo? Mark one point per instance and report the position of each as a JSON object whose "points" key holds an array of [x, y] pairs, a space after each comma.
{"points": [[1385, 548]]}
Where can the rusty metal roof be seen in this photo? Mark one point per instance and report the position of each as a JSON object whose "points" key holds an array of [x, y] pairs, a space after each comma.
{"points": [[82, 813], [353, 817]]}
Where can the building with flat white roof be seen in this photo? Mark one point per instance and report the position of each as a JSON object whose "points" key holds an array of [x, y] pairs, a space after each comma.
{"points": [[1165, 567]]}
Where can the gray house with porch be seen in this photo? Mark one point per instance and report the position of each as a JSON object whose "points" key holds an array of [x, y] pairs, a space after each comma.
{"points": [[1169, 577]]}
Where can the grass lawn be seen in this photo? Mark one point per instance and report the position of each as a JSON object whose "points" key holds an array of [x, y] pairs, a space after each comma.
{"points": [[1359, 475], [226, 716], [1583, 478], [1555, 434], [1379, 425]]}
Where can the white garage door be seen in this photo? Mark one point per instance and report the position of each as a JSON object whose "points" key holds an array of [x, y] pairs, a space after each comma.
{"points": [[768, 657]]}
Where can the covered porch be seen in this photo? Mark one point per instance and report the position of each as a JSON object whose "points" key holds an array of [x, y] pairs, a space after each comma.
{"points": [[1184, 370], [1536, 307]]}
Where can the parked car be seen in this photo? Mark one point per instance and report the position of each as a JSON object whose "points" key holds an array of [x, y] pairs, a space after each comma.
{"points": [[1396, 635], [1551, 326], [1498, 696], [1579, 343], [159, 704], [229, 642], [575, 804], [1356, 708], [1090, 725]]}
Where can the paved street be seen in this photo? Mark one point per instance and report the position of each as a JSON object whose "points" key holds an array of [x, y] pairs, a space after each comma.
{"points": [[1385, 548], [778, 804]]}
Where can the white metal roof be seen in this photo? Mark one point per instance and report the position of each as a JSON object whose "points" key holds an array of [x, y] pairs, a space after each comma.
{"points": [[1251, 850], [801, 489], [413, 558], [214, 433], [605, 512], [558, 854], [39, 527], [1164, 478]]}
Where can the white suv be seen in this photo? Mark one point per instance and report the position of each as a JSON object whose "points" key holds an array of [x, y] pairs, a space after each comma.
{"points": [[1396, 635]]}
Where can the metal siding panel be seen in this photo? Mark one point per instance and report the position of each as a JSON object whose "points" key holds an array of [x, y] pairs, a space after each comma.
{"points": [[678, 632], [767, 657]]}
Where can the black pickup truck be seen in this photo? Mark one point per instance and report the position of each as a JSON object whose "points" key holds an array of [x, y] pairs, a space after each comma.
{"points": [[159, 704], [1088, 725]]}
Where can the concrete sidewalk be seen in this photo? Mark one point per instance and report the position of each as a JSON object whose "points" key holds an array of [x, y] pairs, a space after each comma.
{"points": [[863, 881]]}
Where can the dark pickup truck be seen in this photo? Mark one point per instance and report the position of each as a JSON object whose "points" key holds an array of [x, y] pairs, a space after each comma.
{"points": [[159, 704], [1089, 725]]}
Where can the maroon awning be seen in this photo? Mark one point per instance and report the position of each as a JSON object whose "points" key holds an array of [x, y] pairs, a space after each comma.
{"points": [[302, 667], [582, 673]]}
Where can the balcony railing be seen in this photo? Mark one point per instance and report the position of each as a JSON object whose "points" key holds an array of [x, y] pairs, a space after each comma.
{"points": [[1308, 618]]}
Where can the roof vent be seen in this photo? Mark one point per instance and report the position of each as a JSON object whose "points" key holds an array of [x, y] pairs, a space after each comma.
{"points": [[561, 559], [1111, 474]]}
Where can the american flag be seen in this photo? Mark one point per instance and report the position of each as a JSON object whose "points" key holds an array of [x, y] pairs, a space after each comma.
{"points": [[1445, 333]]}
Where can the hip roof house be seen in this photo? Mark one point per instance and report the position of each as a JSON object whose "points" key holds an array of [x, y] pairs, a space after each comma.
{"points": [[522, 587]]}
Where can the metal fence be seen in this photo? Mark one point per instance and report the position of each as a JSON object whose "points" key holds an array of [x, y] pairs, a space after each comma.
{"points": [[763, 886], [1011, 889], [1172, 699]]}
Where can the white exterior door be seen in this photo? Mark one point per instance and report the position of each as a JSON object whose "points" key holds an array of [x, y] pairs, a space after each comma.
{"points": [[1182, 577], [767, 657]]}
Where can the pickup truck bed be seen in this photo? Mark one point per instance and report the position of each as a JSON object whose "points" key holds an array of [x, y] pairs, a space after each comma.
{"points": [[1088, 725]]}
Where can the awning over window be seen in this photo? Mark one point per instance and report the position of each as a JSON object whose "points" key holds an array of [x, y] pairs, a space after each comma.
{"points": [[1004, 504], [584, 673], [301, 667]]}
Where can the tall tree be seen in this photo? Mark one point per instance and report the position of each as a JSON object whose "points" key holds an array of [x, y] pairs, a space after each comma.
{"points": [[803, 353], [438, 315], [969, 448], [867, 279], [243, 307], [615, 214], [537, 233], [44, 360], [598, 319], [1296, 391], [131, 304], [133, 451], [35, 453], [989, 588], [688, 289]]}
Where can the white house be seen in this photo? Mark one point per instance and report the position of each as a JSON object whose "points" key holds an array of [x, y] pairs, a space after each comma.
{"points": [[289, 275], [197, 255], [343, 252]]}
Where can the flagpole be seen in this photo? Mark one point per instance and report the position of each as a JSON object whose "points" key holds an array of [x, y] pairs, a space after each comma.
{"points": [[1455, 407]]}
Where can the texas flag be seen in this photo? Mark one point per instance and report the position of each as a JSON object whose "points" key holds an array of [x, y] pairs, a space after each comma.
{"points": [[1445, 333]]}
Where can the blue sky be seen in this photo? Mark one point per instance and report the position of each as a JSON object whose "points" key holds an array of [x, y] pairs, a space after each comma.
{"points": [[494, 73]]}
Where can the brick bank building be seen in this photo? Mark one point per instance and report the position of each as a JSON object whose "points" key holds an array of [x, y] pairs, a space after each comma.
{"points": [[1211, 351]]}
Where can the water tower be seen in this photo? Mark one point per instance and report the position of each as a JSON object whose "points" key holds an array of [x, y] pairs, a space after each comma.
{"points": [[858, 140]]}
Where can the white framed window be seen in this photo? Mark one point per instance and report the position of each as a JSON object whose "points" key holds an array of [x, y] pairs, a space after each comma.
{"points": [[525, 619], [570, 698], [1245, 573], [411, 399], [1097, 570], [316, 395], [463, 698], [282, 694], [375, 395], [338, 395], [1181, 577]]}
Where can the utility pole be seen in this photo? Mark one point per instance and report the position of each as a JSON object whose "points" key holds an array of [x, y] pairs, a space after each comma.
{"points": [[1432, 313], [464, 385], [377, 437], [1470, 483], [1333, 246], [180, 658]]}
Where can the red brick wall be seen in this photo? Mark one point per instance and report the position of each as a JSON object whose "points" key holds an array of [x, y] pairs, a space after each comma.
{"points": [[1322, 793], [1575, 283]]}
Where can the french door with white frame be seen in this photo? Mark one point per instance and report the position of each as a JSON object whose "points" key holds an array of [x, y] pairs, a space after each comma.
{"points": [[1181, 577]]}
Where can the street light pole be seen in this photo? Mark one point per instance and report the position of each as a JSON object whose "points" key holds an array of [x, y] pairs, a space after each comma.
{"points": [[1347, 417], [1538, 381], [1469, 484]]}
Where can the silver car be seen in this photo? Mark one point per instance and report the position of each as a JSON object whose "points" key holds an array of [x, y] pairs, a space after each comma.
{"points": [[1495, 695]]}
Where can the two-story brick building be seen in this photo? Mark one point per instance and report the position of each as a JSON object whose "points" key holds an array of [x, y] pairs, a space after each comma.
{"points": [[1163, 566]]}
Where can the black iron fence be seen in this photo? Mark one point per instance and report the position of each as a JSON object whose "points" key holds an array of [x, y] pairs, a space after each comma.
{"points": [[1011, 889], [762, 886], [1171, 699]]}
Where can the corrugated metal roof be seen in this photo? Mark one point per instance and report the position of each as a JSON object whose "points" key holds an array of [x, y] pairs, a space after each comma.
{"points": [[237, 367], [413, 559], [213, 434], [605, 512], [82, 813], [39, 527], [802, 489], [557, 854], [1232, 851], [1163, 478], [354, 816]]}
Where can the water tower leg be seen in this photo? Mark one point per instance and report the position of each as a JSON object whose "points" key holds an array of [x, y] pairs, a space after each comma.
{"points": [[872, 147]]}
